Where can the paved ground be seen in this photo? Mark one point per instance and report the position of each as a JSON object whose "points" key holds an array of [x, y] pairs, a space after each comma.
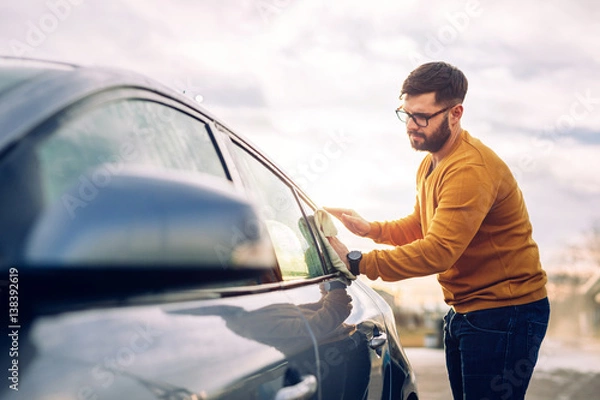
{"points": [[565, 371]]}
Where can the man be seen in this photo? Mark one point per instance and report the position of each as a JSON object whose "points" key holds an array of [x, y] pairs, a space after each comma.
{"points": [[470, 226]]}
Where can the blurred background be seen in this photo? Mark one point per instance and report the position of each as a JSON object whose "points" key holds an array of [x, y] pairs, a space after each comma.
{"points": [[315, 83]]}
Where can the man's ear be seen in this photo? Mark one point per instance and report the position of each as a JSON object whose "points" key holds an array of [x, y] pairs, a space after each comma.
{"points": [[456, 113]]}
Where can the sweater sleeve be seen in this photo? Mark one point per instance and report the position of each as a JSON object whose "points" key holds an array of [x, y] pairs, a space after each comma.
{"points": [[462, 198], [399, 232]]}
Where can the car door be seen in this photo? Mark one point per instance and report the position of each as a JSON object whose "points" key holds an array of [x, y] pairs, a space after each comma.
{"points": [[346, 324], [241, 347], [230, 339]]}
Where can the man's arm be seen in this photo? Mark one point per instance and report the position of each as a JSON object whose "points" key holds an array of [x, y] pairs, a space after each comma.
{"points": [[399, 232], [463, 201], [395, 233]]}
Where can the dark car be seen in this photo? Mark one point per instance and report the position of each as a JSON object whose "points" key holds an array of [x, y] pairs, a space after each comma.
{"points": [[148, 251]]}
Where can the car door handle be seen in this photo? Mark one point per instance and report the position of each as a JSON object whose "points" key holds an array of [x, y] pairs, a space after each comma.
{"points": [[300, 391], [378, 341]]}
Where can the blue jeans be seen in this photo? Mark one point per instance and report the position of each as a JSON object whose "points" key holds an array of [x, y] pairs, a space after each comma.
{"points": [[490, 354]]}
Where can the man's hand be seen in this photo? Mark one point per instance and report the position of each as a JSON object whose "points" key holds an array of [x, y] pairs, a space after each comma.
{"points": [[351, 220], [340, 248]]}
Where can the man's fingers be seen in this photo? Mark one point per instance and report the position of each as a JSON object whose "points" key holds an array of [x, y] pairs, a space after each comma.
{"points": [[340, 248], [337, 212], [356, 224], [336, 243], [351, 220]]}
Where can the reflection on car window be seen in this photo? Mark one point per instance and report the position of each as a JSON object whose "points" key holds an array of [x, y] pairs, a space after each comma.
{"points": [[295, 248], [309, 212], [128, 132]]}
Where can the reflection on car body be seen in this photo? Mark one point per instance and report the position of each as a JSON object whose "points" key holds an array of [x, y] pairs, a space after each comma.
{"points": [[161, 255]]}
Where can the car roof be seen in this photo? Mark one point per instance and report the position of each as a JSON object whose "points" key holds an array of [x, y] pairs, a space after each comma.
{"points": [[34, 90], [44, 88]]}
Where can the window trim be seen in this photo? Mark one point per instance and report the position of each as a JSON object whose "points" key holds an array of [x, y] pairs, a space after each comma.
{"points": [[297, 193], [264, 288], [325, 260], [111, 95]]}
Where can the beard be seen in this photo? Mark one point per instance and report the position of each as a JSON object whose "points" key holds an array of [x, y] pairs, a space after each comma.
{"points": [[435, 142]]}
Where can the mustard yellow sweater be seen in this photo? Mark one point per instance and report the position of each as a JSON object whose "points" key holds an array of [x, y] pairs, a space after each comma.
{"points": [[471, 227]]}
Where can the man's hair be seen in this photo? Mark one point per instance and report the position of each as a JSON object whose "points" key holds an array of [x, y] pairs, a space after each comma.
{"points": [[448, 82]]}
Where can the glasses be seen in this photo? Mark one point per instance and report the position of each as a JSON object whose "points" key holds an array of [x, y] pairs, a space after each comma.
{"points": [[421, 120]]}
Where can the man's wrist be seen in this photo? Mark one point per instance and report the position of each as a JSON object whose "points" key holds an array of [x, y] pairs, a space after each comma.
{"points": [[354, 257]]}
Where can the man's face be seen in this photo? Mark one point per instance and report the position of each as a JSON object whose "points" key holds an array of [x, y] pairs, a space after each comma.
{"points": [[432, 137]]}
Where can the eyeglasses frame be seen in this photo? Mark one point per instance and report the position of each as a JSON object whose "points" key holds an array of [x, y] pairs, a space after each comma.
{"points": [[400, 112]]}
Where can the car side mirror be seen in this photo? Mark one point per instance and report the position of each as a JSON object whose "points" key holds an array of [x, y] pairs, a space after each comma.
{"points": [[152, 219]]}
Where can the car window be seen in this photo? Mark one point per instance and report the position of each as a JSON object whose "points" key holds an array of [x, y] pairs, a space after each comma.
{"points": [[309, 212], [292, 238], [127, 132]]}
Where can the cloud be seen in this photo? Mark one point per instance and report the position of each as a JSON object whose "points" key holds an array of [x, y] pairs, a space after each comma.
{"points": [[290, 73]]}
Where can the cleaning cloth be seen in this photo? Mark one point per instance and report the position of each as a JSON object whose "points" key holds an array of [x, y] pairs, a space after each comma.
{"points": [[326, 229]]}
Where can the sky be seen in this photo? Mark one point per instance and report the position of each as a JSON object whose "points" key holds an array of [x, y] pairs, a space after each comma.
{"points": [[315, 84]]}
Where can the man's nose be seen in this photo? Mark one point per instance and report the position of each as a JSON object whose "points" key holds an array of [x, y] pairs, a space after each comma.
{"points": [[411, 125]]}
